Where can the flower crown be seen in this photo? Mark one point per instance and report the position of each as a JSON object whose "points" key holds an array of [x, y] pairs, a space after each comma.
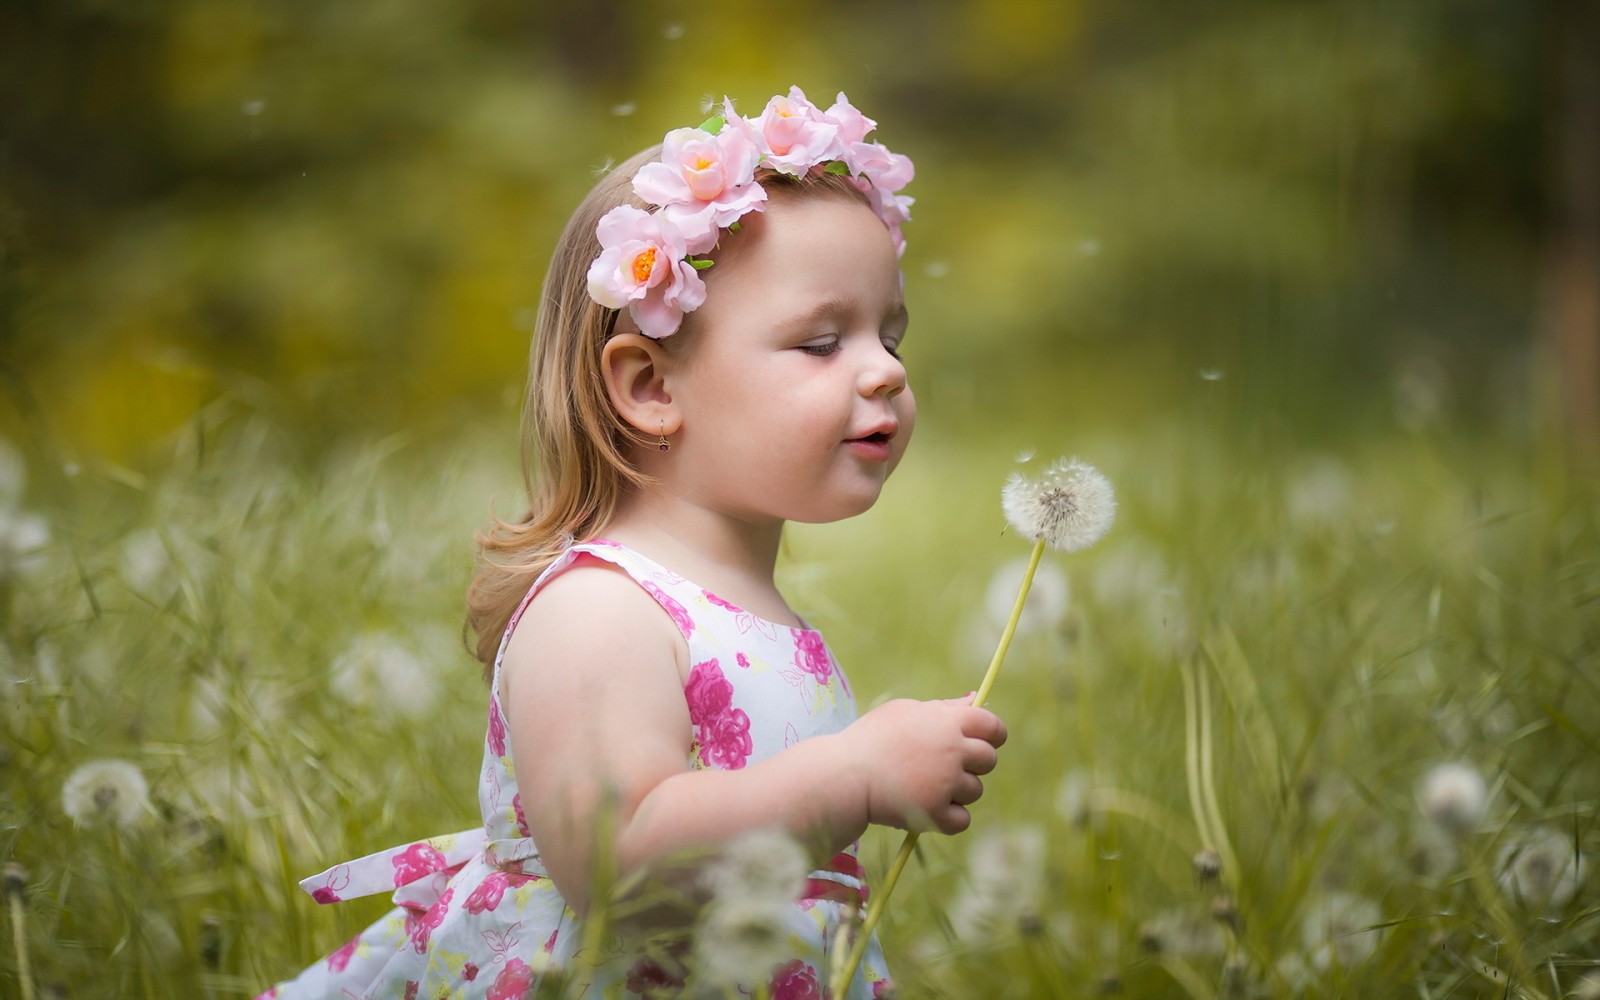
{"points": [[705, 182]]}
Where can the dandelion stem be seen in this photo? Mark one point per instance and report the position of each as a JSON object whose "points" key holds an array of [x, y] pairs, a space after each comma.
{"points": [[19, 936], [843, 973]]}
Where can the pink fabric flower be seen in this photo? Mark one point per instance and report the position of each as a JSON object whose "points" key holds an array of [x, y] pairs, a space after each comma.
{"points": [[722, 731], [794, 134], [641, 266], [703, 182], [853, 125], [488, 894], [420, 926], [512, 982], [339, 960], [680, 616], [522, 817], [338, 880], [469, 972], [795, 981], [811, 655], [497, 729], [415, 862], [493, 888]]}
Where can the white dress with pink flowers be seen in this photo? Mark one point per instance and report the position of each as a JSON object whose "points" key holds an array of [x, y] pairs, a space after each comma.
{"points": [[475, 912]]}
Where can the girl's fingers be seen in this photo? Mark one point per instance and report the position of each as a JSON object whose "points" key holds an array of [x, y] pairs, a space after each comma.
{"points": [[968, 790], [980, 757], [984, 725]]}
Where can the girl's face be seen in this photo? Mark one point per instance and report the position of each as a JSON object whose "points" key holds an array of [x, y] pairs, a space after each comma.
{"points": [[793, 399]]}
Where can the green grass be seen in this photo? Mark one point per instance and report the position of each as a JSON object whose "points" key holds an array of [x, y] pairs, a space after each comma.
{"points": [[1271, 646]]}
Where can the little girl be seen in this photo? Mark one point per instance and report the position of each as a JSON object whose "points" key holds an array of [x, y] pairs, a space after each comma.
{"points": [[678, 414]]}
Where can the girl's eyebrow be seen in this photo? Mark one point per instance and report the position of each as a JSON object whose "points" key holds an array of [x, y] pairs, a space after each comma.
{"points": [[834, 307]]}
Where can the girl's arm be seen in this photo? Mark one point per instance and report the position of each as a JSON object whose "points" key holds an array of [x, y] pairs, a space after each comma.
{"points": [[593, 694]]}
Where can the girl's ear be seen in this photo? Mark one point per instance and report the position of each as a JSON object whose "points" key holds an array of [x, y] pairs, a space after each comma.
{"points": [[635, 370]]}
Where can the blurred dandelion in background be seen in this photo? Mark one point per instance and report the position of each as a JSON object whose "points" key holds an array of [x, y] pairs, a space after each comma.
{"points": [[743, 932], [380, 670], [1542, 869], [107, 792], [1338, 930], [1004, 883], [1454, 797]]}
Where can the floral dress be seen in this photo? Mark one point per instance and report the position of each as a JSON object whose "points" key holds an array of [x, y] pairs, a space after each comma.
{"points": [[476, 914]]}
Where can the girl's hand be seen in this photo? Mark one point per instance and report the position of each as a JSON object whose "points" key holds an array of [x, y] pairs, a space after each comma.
{"points": [[919, 761]]}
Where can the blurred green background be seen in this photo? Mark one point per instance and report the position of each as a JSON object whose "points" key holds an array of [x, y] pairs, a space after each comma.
{"points": [[1315, 282], [1351, 213]]}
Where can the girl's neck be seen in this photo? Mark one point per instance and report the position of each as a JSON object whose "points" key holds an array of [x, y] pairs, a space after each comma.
{"points": [[734, 558]]}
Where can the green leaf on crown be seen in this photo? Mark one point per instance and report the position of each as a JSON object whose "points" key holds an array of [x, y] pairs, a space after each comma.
{"points": [[713, 124], [699, 264], [836, 167]]}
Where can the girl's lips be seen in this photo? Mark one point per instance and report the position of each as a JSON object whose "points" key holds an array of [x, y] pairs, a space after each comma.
{"points": [[874, 447]]}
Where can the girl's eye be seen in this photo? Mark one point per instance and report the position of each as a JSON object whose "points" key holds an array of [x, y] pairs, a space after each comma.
{"points": [[893, 347], [821, 350]]}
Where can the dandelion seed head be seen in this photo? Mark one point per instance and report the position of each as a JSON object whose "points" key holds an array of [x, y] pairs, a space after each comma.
{"points": [[1005, 882], [106, 792], [1181, 934], [742, 939], [379, 669], [1070, 506], [1047, 601], [1339, 929], [1542, 870], [767, 865], [1454, 797], [15, 880]]}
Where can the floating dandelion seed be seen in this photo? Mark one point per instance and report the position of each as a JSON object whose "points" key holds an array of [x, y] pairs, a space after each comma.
{"points": [[1070, 507], [624, 109], [1454, 797], [1542, 870], [111, 792], [1211, 374]]}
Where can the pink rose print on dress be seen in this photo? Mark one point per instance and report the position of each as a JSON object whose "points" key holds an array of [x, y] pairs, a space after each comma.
{"points": [[742, 660], [811, 655], [795, 981], [489, 892], [420, 926], [497, 729], [469, 972], [722, 731], [341, 958], [411, 989], [415, 862], [522, 817], [338, 879], [512, 982], [680, 617]]}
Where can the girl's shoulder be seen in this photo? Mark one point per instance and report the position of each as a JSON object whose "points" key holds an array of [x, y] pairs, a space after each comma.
{"points": [[591, 604]]}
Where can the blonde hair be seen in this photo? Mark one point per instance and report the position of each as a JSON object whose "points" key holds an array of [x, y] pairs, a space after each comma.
{"points": [[575, 445]]}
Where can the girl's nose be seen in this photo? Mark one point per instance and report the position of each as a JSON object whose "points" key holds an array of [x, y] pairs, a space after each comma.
{"points": [[883, 375]]}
